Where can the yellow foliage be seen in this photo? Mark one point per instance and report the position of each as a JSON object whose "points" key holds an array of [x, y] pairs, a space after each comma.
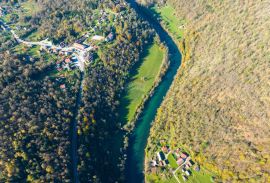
{"points": [[49, 169]]}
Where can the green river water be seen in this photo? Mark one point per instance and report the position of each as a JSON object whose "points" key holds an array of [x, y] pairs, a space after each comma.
{"points": [[138, 139]]}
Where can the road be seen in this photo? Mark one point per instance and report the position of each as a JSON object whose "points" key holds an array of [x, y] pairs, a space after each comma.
{"points": [[174, 172], [80, 54], [74, 135]]}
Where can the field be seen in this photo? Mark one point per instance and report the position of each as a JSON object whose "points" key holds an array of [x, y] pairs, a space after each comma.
{"points": [[169, 20], [196, 177], [172, 161], [142, 80], [30, 7]]}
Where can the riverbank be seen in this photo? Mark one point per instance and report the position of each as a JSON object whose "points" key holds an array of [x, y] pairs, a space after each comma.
{"points": [[138, 138], [175, 28], [145, 77]]}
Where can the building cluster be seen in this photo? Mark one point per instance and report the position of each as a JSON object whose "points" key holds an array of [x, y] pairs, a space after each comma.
{"points": [[182, 159], [160, 160], [70, 56], [68, 63], [101, 23]]}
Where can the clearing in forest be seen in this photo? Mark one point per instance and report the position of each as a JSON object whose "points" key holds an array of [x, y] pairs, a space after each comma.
{"points": [[142, 79], [173, 24]]}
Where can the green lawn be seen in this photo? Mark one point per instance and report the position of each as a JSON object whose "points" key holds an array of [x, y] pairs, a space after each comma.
{"points": [[141, 81], [171, 22], [157, 179], [172, 161], [196, 177]]}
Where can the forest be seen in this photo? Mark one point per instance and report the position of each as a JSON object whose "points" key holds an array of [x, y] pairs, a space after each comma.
{"points": [[36, 114], [218, 106]]}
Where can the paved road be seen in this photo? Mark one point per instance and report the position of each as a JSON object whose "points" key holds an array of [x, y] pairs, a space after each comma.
{"points": [[80, 54]]}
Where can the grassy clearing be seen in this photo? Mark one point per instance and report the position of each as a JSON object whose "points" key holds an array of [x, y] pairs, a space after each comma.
{"points": [[30, 7], [196, 177], [172, 161], [157, 179], [170, 21], [141, 82]]}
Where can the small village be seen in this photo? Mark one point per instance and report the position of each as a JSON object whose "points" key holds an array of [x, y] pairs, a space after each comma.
{"points": [[70, 56], [178, 161]]}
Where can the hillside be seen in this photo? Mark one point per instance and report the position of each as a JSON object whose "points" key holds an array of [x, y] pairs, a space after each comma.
{"points": [[219, 104]]}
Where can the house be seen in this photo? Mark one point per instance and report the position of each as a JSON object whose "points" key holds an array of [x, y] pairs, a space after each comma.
{"points": [[98, 38], [197, 168], [164, 149], [184, 155], [62, 86], [67, 60], [110, 37], [188, 173], [153, 163], [180, 161], [189, 163], [161, 156], [161, 163], [187, 166], [184, 177]]}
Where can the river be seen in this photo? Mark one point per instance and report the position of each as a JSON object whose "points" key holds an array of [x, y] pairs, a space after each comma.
{"points": [[138, 139]]}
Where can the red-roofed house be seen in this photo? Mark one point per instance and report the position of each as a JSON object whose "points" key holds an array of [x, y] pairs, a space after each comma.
{"points": [[164, 149], [67, 60], [184, 155], [63, 86], [180, 161]]}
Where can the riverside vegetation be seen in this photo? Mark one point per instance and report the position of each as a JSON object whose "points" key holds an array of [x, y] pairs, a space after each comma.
{"points": [[218, 106]]}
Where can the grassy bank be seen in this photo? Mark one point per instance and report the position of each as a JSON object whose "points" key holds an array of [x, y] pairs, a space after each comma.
{"points": [[167, 16], [142, 80], [175, 27]]}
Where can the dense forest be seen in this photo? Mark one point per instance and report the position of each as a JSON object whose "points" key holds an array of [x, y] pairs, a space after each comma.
{"points": [[36, 114], [218, 106], [35, 120]]}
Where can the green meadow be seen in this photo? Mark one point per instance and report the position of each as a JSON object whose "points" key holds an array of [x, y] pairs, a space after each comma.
{"points": [[173, 24], [142, 79]]}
